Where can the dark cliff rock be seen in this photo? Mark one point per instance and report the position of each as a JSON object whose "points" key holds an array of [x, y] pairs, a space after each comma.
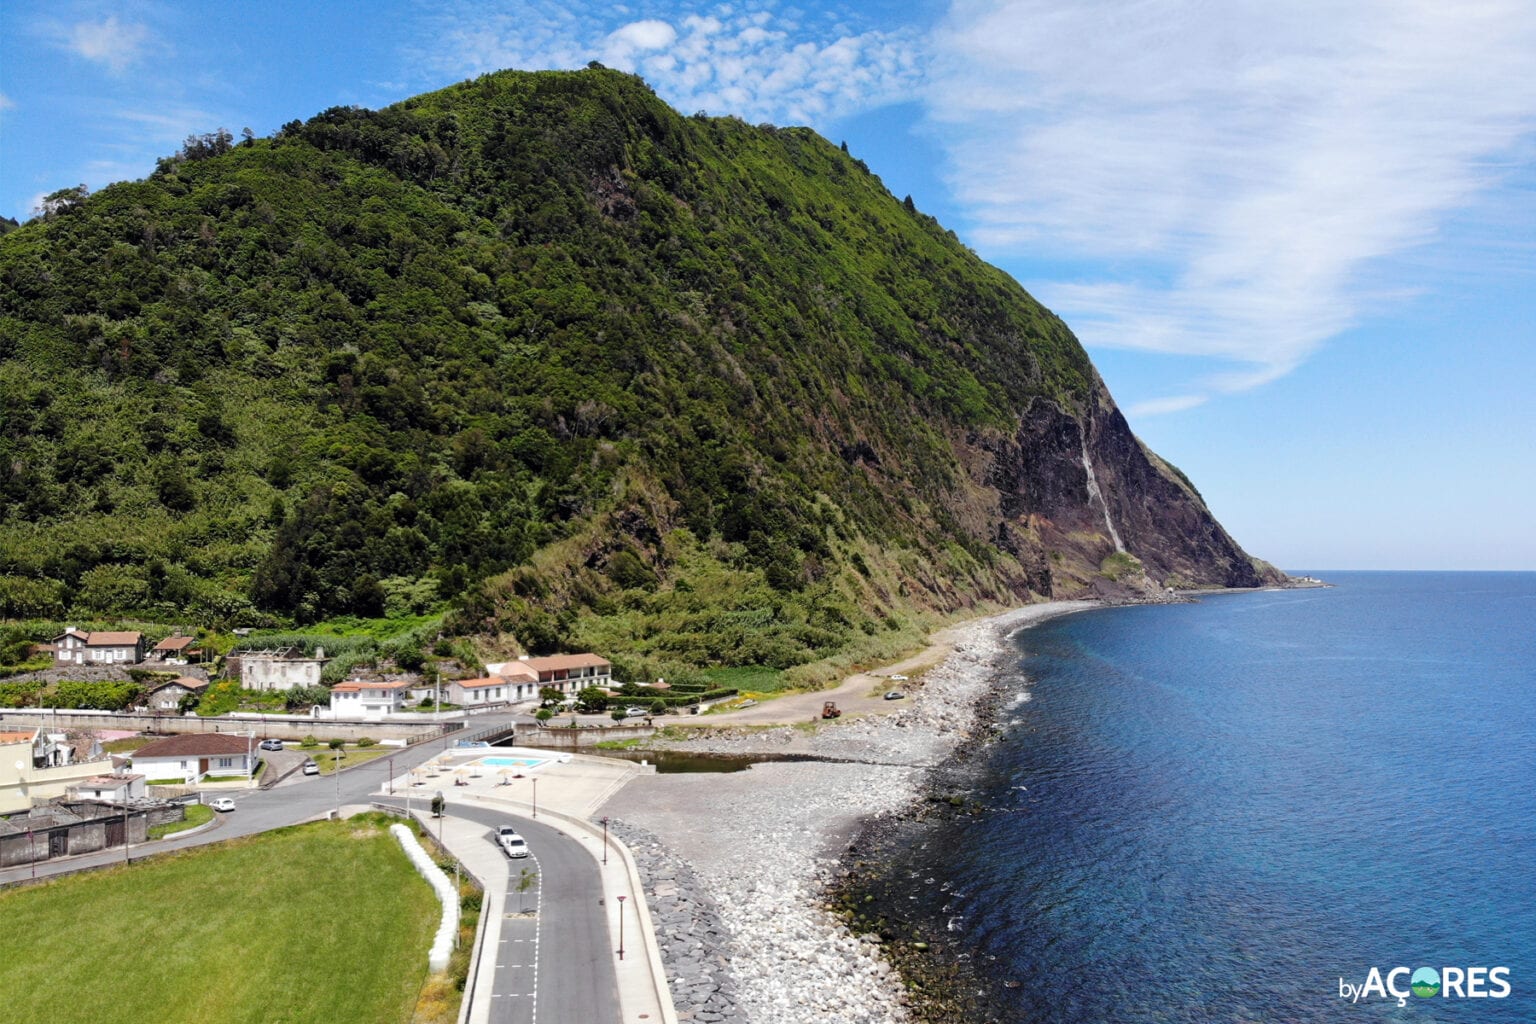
{"points": [[1075, 489]]}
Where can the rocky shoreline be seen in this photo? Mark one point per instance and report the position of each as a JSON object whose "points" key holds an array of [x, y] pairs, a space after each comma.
{"points": [[742, 869]]}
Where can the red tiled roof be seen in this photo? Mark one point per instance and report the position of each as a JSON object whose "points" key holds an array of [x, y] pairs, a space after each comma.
{"points": [[355, 685], [175, 643], [480, 684], [185, 682], [17, 737], [218, 744], [112, 639]]}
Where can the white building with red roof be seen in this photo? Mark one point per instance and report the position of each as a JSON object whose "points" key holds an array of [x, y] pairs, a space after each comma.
{"points": [[366, 698]]}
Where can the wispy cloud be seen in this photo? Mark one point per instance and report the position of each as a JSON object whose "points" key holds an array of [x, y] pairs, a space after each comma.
{"points": [[6, 103], [110, 42], [756, 62], [1243, 168]]}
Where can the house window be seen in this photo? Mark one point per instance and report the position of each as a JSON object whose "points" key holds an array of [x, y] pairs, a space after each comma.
{"points": [[226, 762], [183, 765]]}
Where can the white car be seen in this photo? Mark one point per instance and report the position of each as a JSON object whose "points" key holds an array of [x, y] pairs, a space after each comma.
{"points": [[512, 844], [223, 803], [898, 679]]}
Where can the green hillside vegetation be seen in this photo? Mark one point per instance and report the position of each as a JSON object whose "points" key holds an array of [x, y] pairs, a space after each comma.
{"points": [[535, 351]]}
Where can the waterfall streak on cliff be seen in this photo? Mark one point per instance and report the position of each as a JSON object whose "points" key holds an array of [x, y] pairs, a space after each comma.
{"points": [[1094, 494]]}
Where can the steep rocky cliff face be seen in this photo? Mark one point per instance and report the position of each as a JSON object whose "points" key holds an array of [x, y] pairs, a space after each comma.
{"points": [[1077, 489]]}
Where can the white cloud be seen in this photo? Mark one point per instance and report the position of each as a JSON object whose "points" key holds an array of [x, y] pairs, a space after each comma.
{"points": [[637, 36], [757, 63], [6, 103], [1242, 168], [109, 41]]}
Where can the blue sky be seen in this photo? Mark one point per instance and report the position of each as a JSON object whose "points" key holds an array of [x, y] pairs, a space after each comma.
{"points": [[1298, 239]]}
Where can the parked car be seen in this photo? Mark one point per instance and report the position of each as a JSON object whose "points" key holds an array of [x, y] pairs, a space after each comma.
{"points": [[271, 744], [223, 803], [635, 712], [898, 679], [512, 844], [311, 768], [894, 695]]}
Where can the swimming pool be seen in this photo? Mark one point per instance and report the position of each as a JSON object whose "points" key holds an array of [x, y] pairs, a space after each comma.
{"points": [[511, 762]]}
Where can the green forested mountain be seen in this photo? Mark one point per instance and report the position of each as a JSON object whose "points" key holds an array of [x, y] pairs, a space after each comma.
{"points": [[590, 370]]}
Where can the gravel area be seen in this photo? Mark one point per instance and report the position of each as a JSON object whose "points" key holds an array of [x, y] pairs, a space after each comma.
{"points": [[738, 863]]}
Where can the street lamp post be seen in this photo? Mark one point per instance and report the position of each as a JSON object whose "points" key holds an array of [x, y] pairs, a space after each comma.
{"points": [[535, 796], [621, 927], [605, 840], [126, 787], [391, 783]]}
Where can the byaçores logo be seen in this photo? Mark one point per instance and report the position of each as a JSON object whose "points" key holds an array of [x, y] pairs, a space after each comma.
{"points": [[1428, 982]]}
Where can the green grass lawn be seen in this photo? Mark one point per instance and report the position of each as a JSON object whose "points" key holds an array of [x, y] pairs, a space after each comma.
{"points": [[321, 922], [197, 814], [325, 757]]}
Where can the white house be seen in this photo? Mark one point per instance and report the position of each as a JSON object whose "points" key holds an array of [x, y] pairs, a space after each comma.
{"points": [[112, 789], [77, 647], [360, 698], [568, 673], [470, 692], [216, 756]]}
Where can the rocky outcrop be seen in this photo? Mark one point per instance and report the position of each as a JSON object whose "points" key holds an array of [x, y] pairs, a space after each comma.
{"points": [[1076, 488]]}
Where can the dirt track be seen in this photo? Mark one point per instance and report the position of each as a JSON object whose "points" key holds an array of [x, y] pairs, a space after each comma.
{"points": [[862, 693]]}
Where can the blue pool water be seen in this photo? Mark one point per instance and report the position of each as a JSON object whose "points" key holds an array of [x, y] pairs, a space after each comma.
{"points": [[1217, 811], [511, 762]]}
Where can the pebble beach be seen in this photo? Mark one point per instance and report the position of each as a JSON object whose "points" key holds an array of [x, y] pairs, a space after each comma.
{"points": [[737, 866]]}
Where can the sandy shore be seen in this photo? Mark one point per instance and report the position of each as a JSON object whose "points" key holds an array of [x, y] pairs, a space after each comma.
{"points": [[760, 846]]}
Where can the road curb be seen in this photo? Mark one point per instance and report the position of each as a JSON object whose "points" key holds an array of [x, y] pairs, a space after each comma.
{"points": [[657, 974]]}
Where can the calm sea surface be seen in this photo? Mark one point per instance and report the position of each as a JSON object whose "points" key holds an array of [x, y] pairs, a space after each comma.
{"points": [[1216, 811]]}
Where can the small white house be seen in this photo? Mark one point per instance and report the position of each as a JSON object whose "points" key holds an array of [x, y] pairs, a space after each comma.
{"points": [[359, 698], [193, 757], [112, 789], [473, 692]]}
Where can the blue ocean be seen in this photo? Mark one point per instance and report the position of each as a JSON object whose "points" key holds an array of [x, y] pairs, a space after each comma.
{"points": [[1231, 810]]}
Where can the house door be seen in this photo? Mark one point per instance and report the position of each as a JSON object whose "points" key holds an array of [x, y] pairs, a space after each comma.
{"points": [[115, 830], [202, 767], [58, 843]]}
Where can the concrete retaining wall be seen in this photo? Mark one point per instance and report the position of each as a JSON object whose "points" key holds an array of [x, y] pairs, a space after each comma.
{"points": [[577, 739], [283, 727]]}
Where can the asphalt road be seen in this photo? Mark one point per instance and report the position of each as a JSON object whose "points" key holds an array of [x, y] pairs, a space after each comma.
{"points": [[256, 810], [565, 948]]}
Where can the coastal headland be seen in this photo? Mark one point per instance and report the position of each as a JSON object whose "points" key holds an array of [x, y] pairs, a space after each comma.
{"points": [[742, 865]]}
